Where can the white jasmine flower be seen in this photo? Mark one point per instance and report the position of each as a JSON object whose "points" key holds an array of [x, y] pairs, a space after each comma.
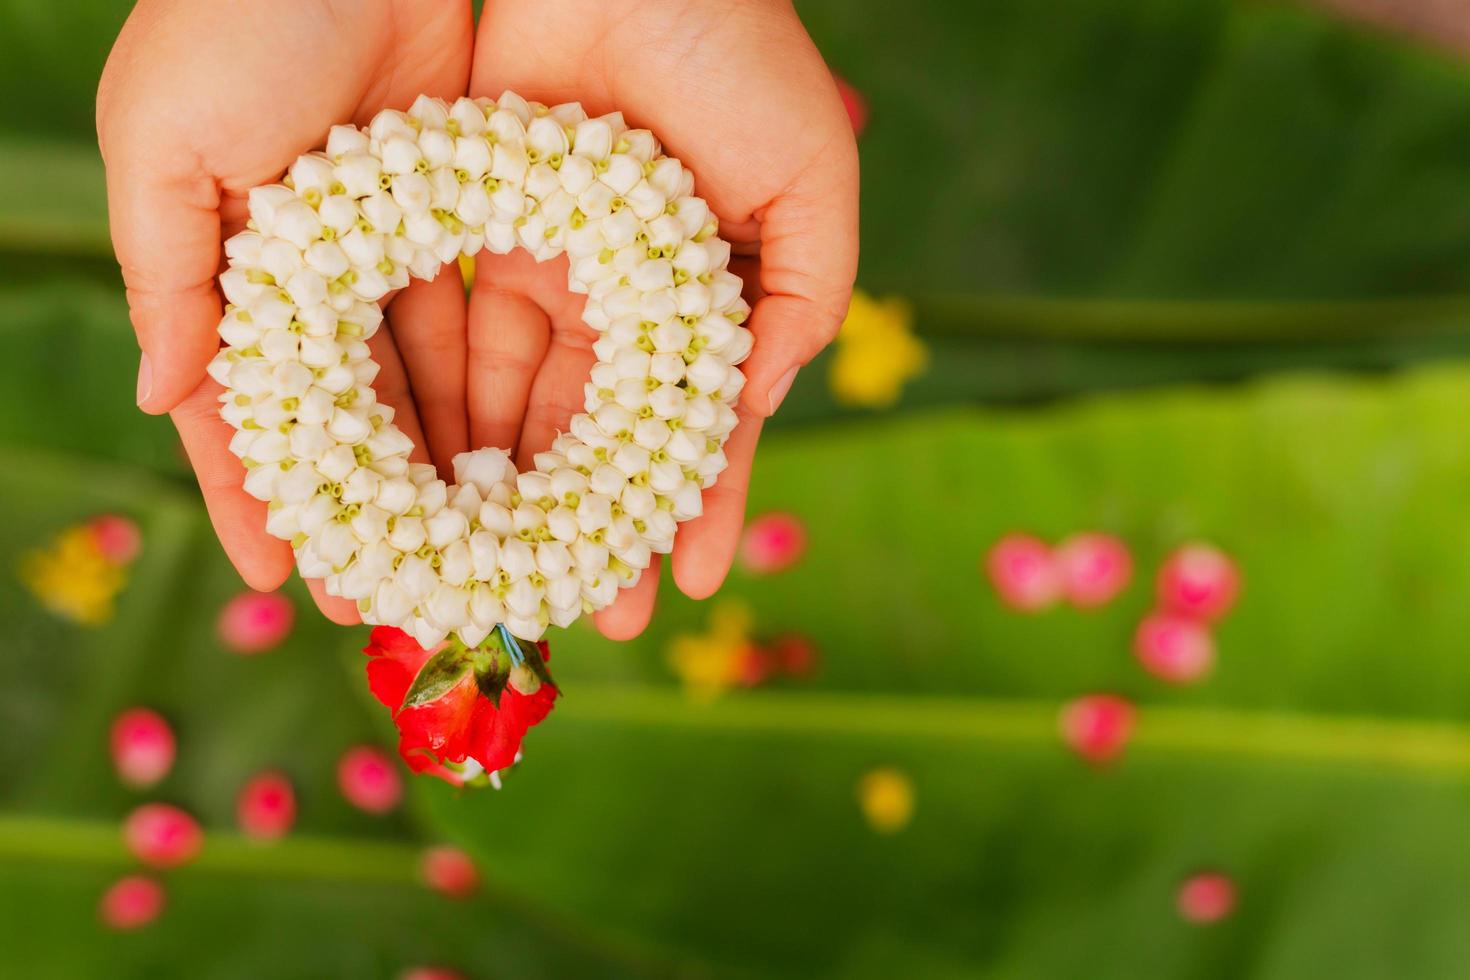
{"points": [[398, 201]]}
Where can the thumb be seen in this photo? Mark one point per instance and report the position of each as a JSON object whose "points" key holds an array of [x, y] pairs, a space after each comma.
{"points": [[166, 233], [808, 263]]}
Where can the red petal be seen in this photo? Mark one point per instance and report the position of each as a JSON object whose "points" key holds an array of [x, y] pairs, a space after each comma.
{"points": [[442, 726], [420, 761], [389, 682], [390, 640], [396, 660], [498, 733]]}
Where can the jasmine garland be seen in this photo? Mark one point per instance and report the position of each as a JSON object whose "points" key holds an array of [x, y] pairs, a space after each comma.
{"points": [[399, 200]]}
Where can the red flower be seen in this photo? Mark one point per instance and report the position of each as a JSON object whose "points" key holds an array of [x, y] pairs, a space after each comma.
{"points": [[1206, 897], [772, 543], [142, 747], [254, 622], [1174, 648], [453, 704], [1097, 726], [1024, 572], [131, 902], [117, 538], [1094, 568], [266, 807], [369, 780], [1199, 581], [162, 835], [449, 871]]}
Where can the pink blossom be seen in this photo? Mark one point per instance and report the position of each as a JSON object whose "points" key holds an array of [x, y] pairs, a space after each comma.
{"points": [[449, 871], [1097, 726], [117, 538], [131, 902], [1199, 580], [1094, 568], [142, 747], [854, 103], [1174, 648], [1206, 897], [1024, 572], [162, 835], [266, 806], [254, 622], [772, 543], [430, 973], [369, 779]]}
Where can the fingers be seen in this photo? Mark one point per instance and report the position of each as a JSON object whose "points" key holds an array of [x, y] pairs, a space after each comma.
{"points": [[239, 519], [391, 387], [428, 322], [166, 232], [705, 547], [508, 337], [630, 612], [557, 392], [809, 253], [341, 611]]}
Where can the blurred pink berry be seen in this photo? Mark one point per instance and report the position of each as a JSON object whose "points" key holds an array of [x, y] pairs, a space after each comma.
{"points": [[142, 747], [1093, 568], [254, 622], [1206, 897], [1024, 572], [1097, 726], [1199, 580], [772, 543], [369, 779], [116, 538], [1174, 648], [449, 871], [854, 103], [430, 973], [266, 807], [162, 835], [131, 902]]}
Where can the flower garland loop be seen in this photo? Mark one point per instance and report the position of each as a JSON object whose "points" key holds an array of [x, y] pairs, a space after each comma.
{"points": [[398, 200]]}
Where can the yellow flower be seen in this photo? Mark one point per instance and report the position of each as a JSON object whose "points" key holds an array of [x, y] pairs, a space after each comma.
{"points": [[467, 270], [73, 577], [876, 352], [886, 796], [708, 663]]}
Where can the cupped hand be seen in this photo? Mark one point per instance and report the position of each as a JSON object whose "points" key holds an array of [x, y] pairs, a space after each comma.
{"points": [[739, 94], [201, 100]]}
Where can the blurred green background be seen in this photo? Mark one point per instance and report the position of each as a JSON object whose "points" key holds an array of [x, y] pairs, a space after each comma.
{"points": [[1100, 211]]}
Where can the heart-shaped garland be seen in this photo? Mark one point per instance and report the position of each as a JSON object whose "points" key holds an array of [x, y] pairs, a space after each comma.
{"points": [[400, 199]]}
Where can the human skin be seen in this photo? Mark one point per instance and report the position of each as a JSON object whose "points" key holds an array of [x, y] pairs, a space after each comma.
{"points": [[737, 92], [203, 99]]}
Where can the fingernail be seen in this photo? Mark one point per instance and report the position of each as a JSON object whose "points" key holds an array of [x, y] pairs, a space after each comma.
{"points": [[780, 388], [145, 378]]}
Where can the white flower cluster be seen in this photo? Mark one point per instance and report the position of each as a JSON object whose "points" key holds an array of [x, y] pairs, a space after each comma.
{"points": [[399, 200]]}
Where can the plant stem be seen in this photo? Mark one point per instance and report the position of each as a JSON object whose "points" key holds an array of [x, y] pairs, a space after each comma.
{"points": [[1394, 744], [1105, 320], [58, 840]]}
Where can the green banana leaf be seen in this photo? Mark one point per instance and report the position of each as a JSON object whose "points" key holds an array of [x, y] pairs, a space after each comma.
{"points": [[1079, 196], [1059, 187]]}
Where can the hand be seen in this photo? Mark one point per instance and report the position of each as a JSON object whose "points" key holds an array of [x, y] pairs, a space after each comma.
{"points": [[738, 93], [201, 100]]}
